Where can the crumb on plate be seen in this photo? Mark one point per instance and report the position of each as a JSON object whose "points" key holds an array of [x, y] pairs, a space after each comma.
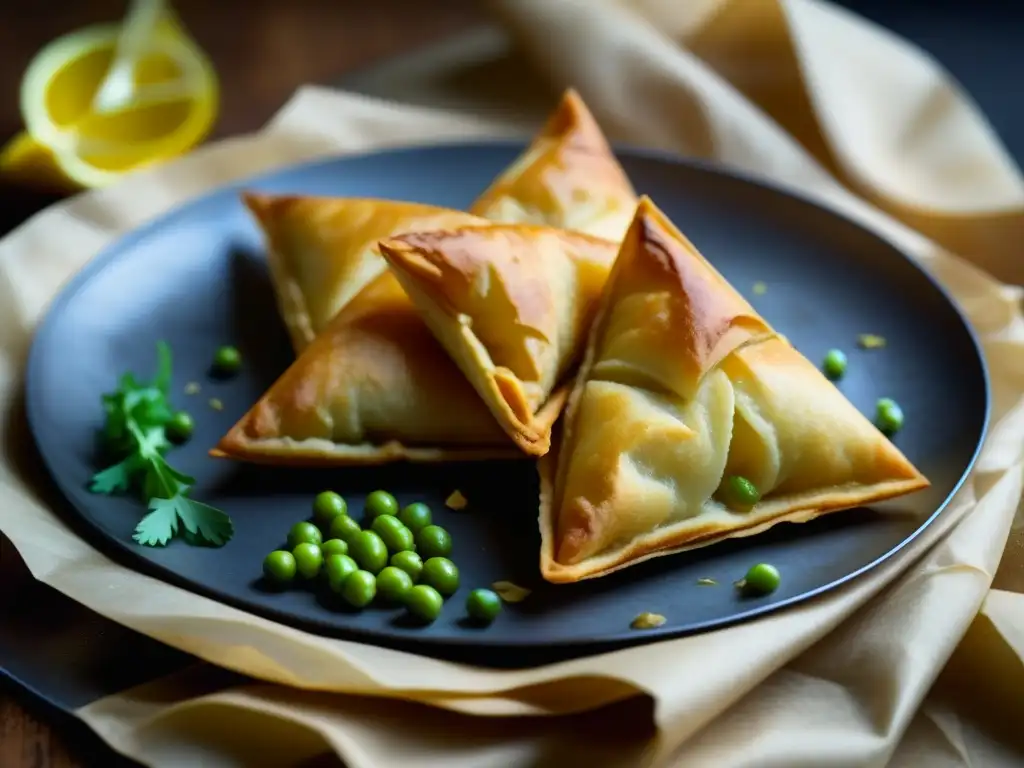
{"points": [[456, 501], [648, 621]]}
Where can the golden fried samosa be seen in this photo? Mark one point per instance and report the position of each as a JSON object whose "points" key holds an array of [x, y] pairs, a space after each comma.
{"points": [[381, 387], [373, 387], [511, 303], [686, 394], [322, 251]]}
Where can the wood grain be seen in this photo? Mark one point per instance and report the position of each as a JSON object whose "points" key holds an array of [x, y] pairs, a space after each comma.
{"points": [[27, 741], [263, 50]]}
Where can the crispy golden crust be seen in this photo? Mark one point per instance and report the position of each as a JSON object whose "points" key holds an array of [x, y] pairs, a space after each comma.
{"points": [[323, 251], [567, 178], [373, 387], [676, 316], [668, 543], [683, 384], [510, 304], [376, 388]]}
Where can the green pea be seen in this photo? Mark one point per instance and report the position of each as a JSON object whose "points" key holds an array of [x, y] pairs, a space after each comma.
{"points": [[380, 503], [742, 492], [227, 360], [359, 589], [367, 549], [441, 574], [338, 568], [888, 416], [308, 559], [409, 562], [424, 602], [834, 365], [393, 584], [334, 547], [761, 579], [327, 506], [279, 567], [180, 427], [434, 541], [416, 516], [304, 532], [345, 528], [483, 605], [396, 537]]}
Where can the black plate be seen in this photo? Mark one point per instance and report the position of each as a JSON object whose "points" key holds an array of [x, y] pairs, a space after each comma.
{"points": [[197, 278]]}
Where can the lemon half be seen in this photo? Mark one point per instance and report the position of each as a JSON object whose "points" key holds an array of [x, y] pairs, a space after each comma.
{"points": [[68, 144]]}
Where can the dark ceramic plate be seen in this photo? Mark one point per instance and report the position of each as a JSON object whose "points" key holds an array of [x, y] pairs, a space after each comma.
{"points": [[197, 278]]}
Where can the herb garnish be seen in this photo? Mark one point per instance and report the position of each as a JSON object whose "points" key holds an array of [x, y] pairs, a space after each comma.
{"points": [[137, 415]]}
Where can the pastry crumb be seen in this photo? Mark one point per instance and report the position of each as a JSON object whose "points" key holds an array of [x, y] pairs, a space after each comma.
{"points": [[707, 582], [456, 501], [216, 404], [870, 341], [648, 621], [192, 388], [509, 592]]}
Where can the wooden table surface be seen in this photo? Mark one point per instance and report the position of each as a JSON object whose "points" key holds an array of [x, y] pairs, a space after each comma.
{"points": [[262, 53]]}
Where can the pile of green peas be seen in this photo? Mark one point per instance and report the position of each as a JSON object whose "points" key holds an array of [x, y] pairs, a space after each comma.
{"points": [[397, 556]]}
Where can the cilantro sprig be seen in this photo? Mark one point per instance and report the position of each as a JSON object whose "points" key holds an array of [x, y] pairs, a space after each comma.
{"points": [[135, 433]]}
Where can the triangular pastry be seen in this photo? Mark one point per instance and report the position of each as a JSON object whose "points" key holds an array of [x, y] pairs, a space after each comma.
{"points": [[380, 387], [322, 251], [373, 387], [567, 178], [511, 304], [683, 388]]}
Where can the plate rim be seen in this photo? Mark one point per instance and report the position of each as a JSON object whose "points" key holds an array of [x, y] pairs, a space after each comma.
{"points": [[424, 644]]}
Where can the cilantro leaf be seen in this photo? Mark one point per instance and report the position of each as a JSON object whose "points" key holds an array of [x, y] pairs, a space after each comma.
{"points": [[207, 523], [151, 442], [162, 480], [178, 475], [203, 524], [115, 428], [159, 526], [117, 478], [137, 415], [148, 407]]}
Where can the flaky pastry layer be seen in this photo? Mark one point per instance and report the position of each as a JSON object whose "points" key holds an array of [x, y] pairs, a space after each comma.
{"points": [[682, 386]]}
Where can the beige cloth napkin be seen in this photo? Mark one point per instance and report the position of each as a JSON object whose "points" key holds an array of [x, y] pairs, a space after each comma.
{"points": [[918, 663]]}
